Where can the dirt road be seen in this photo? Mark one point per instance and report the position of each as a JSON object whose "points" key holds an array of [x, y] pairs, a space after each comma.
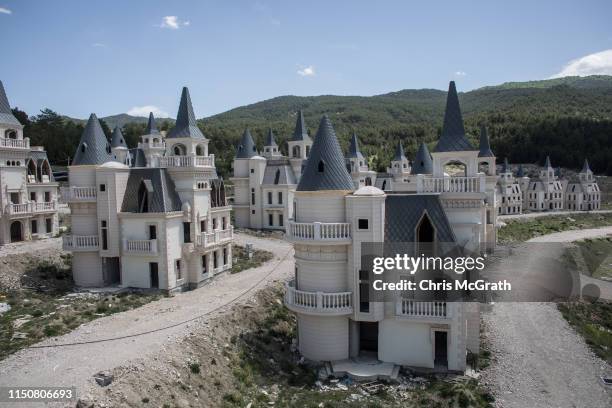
{"points": [[75, 365], [539, 360]]}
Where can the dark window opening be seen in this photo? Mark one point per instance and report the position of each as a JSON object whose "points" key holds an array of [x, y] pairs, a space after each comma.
{"points": [[280, 197], [49, 225], [187, 232], [153, 274], [362, 223], [281, 222], [277, 176], [364, 292], [321, 167], [152, 232], [104, 228], [34, 227], [102, 187]]}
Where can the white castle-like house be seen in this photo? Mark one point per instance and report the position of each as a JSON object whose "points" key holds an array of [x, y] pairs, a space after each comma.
{"points": [[151, 217], [28, 192], [333, 216]]}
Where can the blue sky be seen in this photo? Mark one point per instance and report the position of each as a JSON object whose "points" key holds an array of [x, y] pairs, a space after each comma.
{"points": [[109, 57]]}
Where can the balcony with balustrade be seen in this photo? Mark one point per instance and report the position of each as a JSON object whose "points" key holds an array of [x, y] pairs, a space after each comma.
{"points": [[208, 239], [421, 310], [317, 232], [18, 210], [82, 243], [9, 143], [79, 194], [44, 207], [187, 161], [140, 246], [474, 184], [318, 303]]}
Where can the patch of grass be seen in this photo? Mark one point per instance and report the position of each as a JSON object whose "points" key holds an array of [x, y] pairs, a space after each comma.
{"points": [[242, 261], [525, 229], [194, 367], [593, 257], [593, 321]]}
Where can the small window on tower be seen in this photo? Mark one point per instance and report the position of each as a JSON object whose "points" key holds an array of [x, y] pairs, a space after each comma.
{"points": [[321, 167], [102, 187], [362, 224]]}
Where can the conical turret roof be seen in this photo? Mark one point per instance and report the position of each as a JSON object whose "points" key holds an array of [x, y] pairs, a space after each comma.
{"points": [[270, 139], [93, 148], [354, 152], [117, 140], [300, 133], [520, 172], [422, 163], [6, 115], [453, 137], [585, 167], [547, 163], [325, 168], [186, 125], [151, 126], [505, 166], [399, 152], [485, 147], [246, 149]]}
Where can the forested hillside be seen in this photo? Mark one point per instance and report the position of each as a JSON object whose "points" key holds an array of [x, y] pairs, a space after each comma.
{"points": [[568, 118]]}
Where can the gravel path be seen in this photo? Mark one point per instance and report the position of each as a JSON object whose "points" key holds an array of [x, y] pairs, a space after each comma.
{"points": [[538, 359], [75, 365]]}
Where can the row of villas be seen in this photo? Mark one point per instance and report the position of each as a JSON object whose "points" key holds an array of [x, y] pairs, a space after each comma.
{"points": [[28, 192]]}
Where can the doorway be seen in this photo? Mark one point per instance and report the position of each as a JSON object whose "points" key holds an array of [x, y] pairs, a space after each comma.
{"points": [[154, 274], [440, 349], [16, 232], [368, 337]]}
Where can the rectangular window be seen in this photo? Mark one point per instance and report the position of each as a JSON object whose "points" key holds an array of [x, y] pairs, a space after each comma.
{"points": [[186, 232], [223, 223], [34, 227], [224, 256], [270, 219], [49, 224], [203, 226], [32, 196], [269, 197], [102, 187], [252, 196], [280, 197], [153, 274], [152, 232], [214, 226], [252, 171], [362, 224], [47, 196], [215, 261], [104, 228], [204, 264], [364, 292], [177, 267], [281, 222]]}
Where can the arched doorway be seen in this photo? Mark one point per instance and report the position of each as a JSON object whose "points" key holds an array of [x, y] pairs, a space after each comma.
{"points": [[179, 150], [16, 231], [455, 168]]}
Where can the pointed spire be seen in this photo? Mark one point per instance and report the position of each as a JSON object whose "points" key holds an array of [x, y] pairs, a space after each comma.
{"points": [[6, 115], [93, 148], [547, 164], [485, 147], [505, 166], [585, 167], [117, 140], [186, 125], [270, 139], [246, 149], [354, 152], [300, 133], [151, 126], [399, 152], [422, 163], [520, 172], [453, 133], [325, 168]]}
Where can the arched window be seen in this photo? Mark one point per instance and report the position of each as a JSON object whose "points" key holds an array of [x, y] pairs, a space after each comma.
{"points": [[179, 150], [143, 197], [277, 176], [10, 134], [321, 166], [83, 147], [200, 150], [296, 151], [425, 236]]}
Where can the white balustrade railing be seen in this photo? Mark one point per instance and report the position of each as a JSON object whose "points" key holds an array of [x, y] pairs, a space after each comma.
{"points": [[187, 161], [216, 237], [23, 208], [15, 143], [414, 308], [80, 242], [45, 206], [322, 302], [74, 193], [142, 246], [317, 231], [451, 185]]}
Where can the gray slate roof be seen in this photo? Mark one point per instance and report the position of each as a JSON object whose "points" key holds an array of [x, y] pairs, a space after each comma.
{"points": [[547, 163], [453, 137], [586, 167], [520, 172], [270, 139], [354, 152], [138, 158], [506, 166], [325, 168], [186, 125], [399, 152], [422, 163], [485, 147], [278, 172], [246, 149], [300, 133], [6, 115], [117, 139], [93, 148], [162, 192], [404, 211], [151, 126]]}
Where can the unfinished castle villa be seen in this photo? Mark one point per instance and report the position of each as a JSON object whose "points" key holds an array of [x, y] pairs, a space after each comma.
{"points": [[151, 217]]}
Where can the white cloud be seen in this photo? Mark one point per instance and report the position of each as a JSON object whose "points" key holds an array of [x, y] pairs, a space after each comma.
{"points": [[599, 63], [145, 110], [98, 45], [306, 71], [460, 73], [173, 22], [5, 11]]}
